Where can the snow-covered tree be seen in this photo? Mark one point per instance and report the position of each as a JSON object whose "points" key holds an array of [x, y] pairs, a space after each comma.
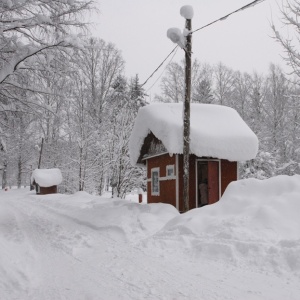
{"points": [[127, 99], [224, 81], [172, 84], [276, 108], [268, 103], [32, 33], [262, 167], [29, 28], [257, 97], [202, 84], [290, 17]]}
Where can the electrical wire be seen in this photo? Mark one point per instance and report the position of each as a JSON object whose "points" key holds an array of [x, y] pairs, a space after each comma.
{"points": [[159, 65], [162, 71], [251, 4]]}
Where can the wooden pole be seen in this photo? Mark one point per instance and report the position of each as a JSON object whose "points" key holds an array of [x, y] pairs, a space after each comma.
{"points": [[186, 116]]}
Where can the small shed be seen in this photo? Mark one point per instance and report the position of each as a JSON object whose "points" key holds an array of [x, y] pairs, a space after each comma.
{"points": [[219, 139], [46, 180]]}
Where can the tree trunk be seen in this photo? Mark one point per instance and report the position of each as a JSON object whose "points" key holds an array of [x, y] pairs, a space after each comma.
{"points": [[19, 179], [4, 175], [80, 169]]}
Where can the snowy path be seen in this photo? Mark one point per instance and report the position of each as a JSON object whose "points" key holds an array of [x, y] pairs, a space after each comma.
{"points": [[55, 249]]}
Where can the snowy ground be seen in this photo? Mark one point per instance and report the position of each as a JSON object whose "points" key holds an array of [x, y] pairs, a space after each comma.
{"points": [[78, 247]]}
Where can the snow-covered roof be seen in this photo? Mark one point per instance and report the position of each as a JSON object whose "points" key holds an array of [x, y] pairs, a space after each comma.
{"points": [[215, 131], [46, 177]]}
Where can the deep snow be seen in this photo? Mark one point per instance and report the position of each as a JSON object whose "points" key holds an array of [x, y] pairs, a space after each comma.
{"points": [[80, 246]]}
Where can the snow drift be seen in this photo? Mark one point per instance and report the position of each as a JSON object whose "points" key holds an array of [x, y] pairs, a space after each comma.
{"points": [[256, 222], [80, 246]]}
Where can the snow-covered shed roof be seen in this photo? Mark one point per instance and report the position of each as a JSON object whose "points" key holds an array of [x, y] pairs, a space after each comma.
{"points": [[46, 177], [215, 131]]}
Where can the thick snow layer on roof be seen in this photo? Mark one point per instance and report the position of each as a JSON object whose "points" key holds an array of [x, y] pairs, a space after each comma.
{"points": [[46, 177], [216, 131]]}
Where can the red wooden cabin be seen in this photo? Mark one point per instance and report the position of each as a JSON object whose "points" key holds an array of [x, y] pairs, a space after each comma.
{"points": [[219, 139], [46, 181]]}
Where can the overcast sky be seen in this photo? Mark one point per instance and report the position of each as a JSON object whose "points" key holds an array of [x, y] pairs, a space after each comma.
{"points": [[138, 28]]}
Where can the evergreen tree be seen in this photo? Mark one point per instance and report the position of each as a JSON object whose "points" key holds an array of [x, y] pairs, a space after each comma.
{"points": [[137, 94], [202, 92], [125, 177]]}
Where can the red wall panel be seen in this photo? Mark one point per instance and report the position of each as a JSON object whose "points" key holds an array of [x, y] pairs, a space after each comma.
{"points": [[167, 187], [229, 173]]}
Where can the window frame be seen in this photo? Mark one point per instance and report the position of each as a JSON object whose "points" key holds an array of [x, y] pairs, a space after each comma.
{"points": [[155, 192], [170, 167]]}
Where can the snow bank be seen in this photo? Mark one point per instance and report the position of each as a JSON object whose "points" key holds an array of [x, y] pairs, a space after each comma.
{"points": [[81, 246], [122, 220], [216, 131], [46, 177], [255, 223]]}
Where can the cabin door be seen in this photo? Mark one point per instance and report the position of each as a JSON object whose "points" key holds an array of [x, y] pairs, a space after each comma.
{"points": [[213, 181], [208, 188]]}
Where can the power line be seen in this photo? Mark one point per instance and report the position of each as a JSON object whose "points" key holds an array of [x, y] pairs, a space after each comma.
{"points": [[159, 65], [251, 4], [162, 71]]}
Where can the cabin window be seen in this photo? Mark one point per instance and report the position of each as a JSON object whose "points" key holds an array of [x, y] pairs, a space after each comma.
{"points": [[170, 171], [155, 182]]}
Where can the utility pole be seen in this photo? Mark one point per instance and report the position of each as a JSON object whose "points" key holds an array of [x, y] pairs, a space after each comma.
{"points": [[186, 115], [184, 41]]}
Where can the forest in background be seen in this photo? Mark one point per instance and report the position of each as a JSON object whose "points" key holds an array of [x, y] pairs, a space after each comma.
{"points": [[62, 85]]}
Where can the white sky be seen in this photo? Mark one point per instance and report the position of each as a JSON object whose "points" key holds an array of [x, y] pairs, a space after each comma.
{"points": [[138, 28]]}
